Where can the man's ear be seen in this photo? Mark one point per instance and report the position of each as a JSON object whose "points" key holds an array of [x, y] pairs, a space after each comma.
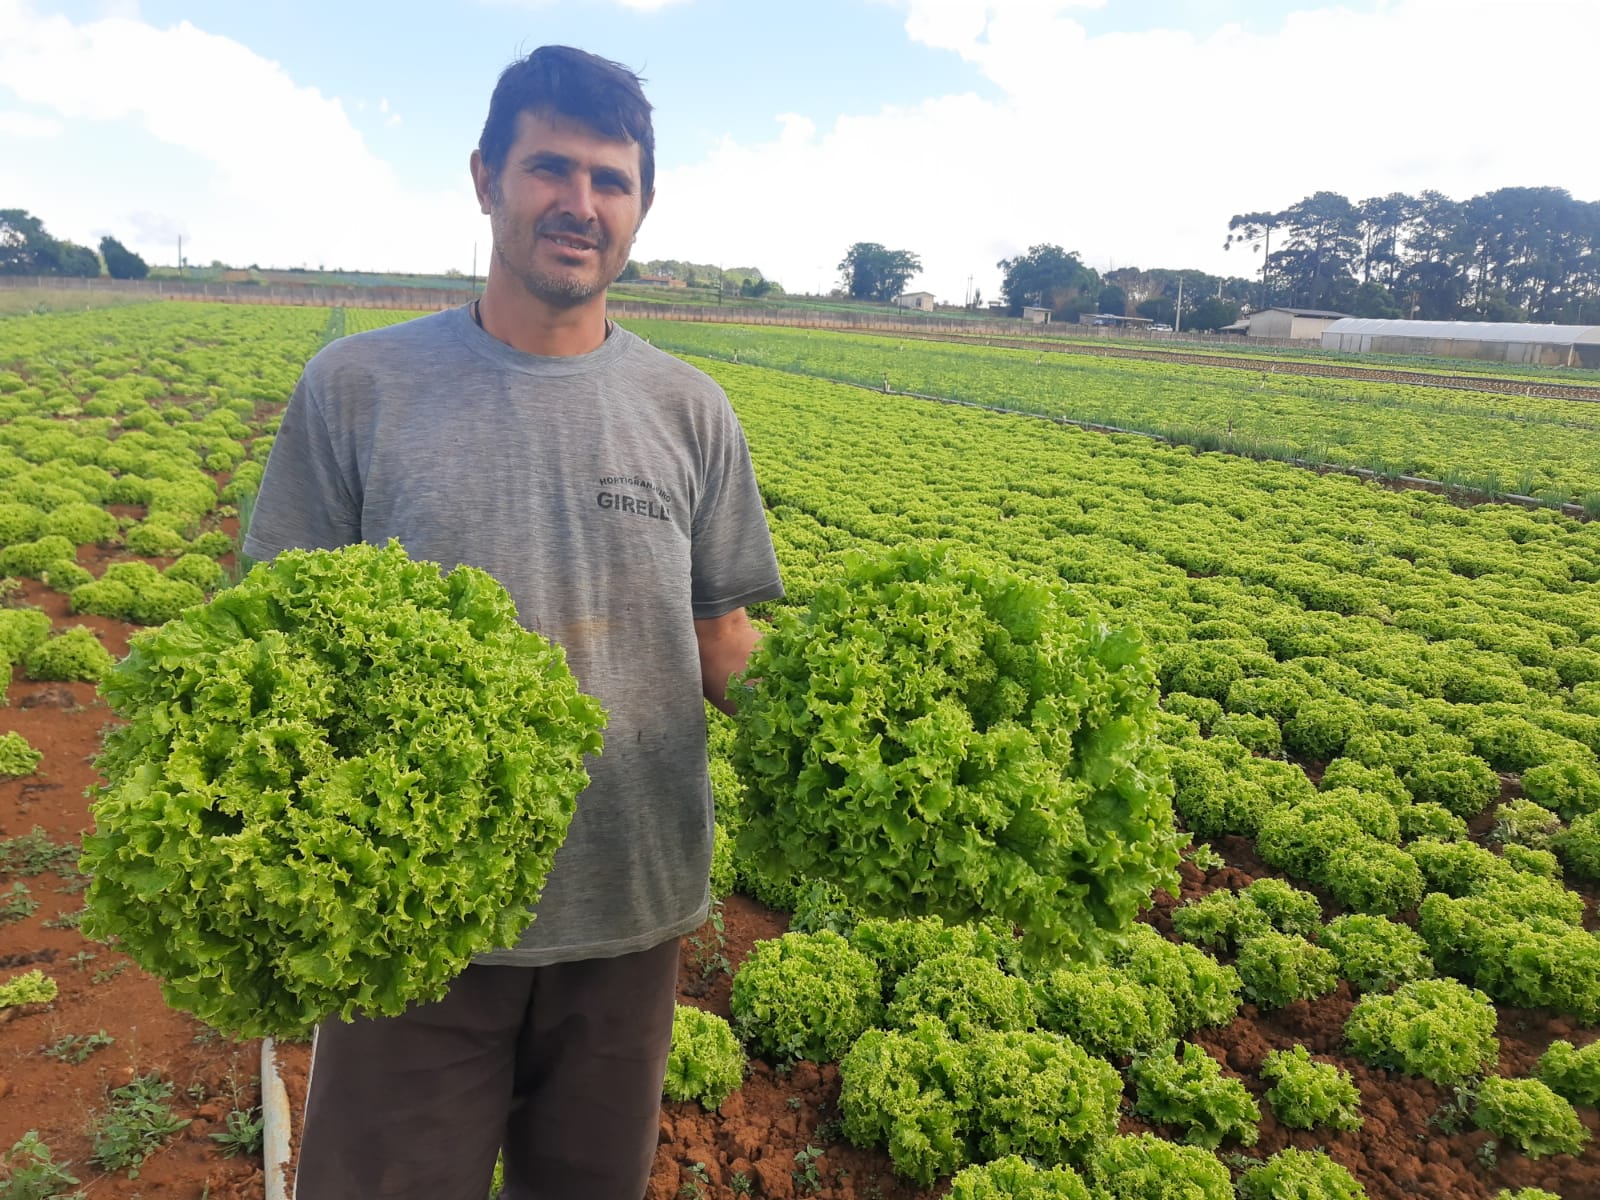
{"points": [[482, 181], [644, 210]]}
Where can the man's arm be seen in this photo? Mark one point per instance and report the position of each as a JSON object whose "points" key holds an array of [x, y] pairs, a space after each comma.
{"points": [[725, 645]]}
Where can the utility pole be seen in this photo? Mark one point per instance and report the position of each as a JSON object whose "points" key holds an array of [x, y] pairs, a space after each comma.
{"points": [[1177, 315], [180, 256]]}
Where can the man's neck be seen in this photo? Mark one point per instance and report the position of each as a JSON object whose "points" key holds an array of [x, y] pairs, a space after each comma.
{"points": [[509, 314]]}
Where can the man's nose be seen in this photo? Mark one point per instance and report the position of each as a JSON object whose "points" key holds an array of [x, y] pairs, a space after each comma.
{"points": [[577, 196]]}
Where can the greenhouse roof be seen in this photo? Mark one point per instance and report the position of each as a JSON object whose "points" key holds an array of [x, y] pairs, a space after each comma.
{"points": [[1471, 331]]}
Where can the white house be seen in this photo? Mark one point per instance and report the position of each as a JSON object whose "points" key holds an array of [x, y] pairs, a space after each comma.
{"points": [[921, 301], [1303, 323]]}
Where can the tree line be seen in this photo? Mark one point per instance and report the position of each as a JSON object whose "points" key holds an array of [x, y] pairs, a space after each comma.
{"points": [[27, 248], [1513, 254]]}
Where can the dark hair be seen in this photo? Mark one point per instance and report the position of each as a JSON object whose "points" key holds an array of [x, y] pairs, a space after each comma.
{"points": [[583, 87]]}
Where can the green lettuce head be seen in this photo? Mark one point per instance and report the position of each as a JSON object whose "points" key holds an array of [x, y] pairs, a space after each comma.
{"points": [[939, 735], [339, 782]]}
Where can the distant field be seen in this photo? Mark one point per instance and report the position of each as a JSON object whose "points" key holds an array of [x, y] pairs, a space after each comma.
{"points": [[21, 301], [1488, 444]]}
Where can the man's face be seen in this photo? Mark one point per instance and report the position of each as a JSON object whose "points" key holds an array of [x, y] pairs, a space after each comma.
{"points": [[564, 208]]}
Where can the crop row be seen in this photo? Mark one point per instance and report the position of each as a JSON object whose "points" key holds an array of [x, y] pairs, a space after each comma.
{"points": [[1491, 444]]}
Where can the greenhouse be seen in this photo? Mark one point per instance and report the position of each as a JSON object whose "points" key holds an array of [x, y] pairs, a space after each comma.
{"points": [[1498, 341]]}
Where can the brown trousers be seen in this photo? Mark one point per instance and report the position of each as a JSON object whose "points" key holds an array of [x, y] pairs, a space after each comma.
{"points": [[559, 1066]]}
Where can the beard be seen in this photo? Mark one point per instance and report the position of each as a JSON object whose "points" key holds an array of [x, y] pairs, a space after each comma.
{"points": [[517, 249]]}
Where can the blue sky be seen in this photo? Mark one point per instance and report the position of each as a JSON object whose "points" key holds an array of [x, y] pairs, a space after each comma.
{"points": [[963, 130]]}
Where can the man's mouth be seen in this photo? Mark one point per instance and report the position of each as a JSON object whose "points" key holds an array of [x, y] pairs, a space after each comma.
{"points": [[570, 241]]}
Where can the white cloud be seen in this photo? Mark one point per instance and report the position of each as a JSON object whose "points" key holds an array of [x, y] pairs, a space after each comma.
{"points": [[1137, 148], [27, 125], [290, 179]]}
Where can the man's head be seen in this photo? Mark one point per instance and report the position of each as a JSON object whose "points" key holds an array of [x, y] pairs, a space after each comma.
{"points": [[565, 170], [563, 82]]}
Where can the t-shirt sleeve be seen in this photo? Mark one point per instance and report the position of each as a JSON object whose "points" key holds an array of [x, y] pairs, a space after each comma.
{"points": [[733, 561], [308, 499]]}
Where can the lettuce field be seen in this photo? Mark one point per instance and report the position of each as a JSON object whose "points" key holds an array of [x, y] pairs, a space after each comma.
{"points": [[1376, 972]]}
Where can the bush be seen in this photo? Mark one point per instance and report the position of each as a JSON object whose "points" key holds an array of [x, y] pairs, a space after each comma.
{"points": [[1380, 781], [1320, 728], [1306, 1094], [1371, 877], [1040, 1095], [804, 995], [65, 575], [1103, 1010], [32, 559], [1579, 847], [1533, 961], [1524, 823], [1528, 1113], [724, 874], [136, 591], [74, 655], [21, 630], [938, 734], [896, 946], [1260, 735], [1146, 1167], [1436, 1028], [81, 524], [706, 1062], [1570, 788], [1572, 1073], [19, 522], [911, 1093], [31, 987], [1374, 953], [820, 905], [1192, 1091], [1222, 919], [155, 540], [965, 994], [1013, 1178], [195, 568], [1211, 798], [17, 758], [1201, 990], [1202, 710], [1292, 1174], [1429, 820], [1460, 782], [213, 544], [1279, 968]]}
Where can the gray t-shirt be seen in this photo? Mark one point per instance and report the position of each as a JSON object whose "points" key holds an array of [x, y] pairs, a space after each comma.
{"points": [[612, 494]]}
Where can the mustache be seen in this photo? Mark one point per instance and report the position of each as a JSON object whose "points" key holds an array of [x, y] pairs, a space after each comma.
{"points": [[571, 227]]}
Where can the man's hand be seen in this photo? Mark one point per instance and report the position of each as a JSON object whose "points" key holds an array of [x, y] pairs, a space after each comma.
{"points": [[725, 645]]}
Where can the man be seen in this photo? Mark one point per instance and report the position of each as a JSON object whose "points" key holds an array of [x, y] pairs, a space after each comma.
{"points": [[608, 487]]}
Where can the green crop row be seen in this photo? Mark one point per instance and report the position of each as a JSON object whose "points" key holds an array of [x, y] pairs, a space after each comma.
{"points": [[1474, 441]]}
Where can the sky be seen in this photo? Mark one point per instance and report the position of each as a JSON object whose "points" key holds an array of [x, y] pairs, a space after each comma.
{"points": [[302, 133]]}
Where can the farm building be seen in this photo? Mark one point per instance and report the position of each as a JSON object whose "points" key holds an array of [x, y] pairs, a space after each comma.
{"points": [[921, 301], [1497, 341], [1302, 323], [1114, 321], [1039, 316]]}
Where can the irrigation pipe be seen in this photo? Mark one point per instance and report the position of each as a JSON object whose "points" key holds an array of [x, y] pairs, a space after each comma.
{"points": [[274, 1123]]}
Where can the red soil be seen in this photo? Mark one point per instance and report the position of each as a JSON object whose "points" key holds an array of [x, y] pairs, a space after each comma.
{"points": [[1400, 1154]]}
